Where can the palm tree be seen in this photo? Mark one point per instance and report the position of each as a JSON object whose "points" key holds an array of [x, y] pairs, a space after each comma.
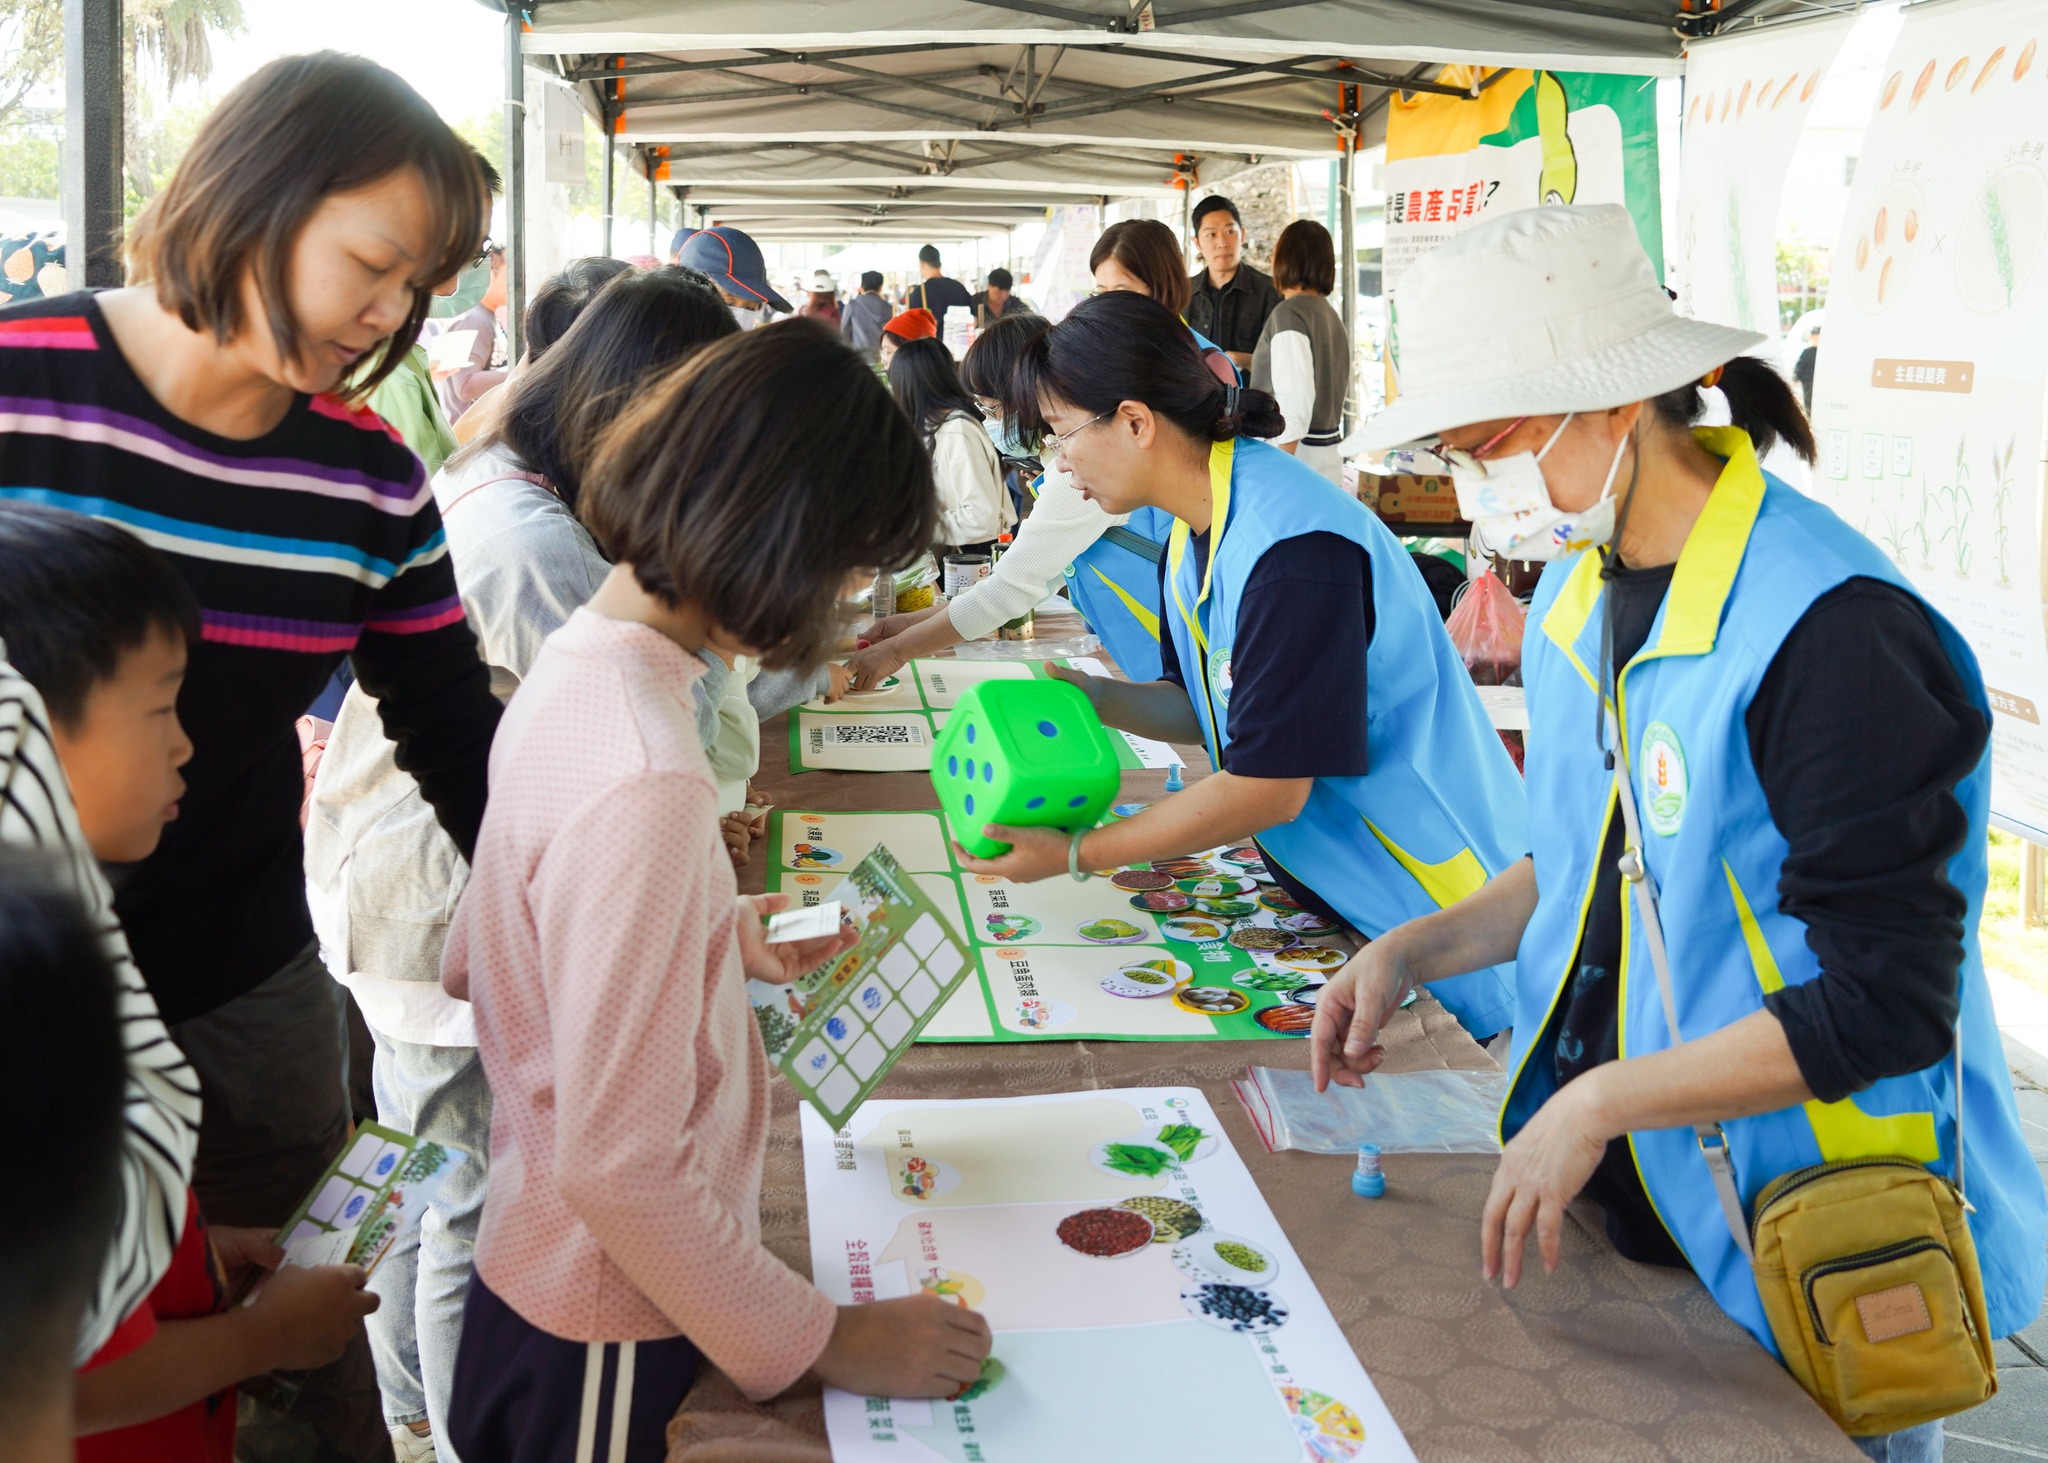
{"points": [[174, 39]]}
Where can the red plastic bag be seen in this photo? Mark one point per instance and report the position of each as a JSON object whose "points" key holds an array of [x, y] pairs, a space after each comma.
{"points": [[1486, 626]]}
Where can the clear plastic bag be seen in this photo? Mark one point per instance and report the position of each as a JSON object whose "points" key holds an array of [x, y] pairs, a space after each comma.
{"points": [[1403, 1112], [1486, 625], [1083, 644]]}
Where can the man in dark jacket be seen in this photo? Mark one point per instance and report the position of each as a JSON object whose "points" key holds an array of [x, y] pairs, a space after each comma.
{"points": [[1231, 299]]}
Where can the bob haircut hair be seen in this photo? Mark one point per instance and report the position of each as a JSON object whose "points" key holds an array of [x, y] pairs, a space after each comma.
{"points": [[1147, 249], [644, 323], [1304, 259], [556, 304], [1119, 346], [296, 132], [992, 359], [703, 488]]}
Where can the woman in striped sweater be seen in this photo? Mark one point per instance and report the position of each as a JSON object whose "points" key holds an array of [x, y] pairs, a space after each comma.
{"points": [[319, 205]]}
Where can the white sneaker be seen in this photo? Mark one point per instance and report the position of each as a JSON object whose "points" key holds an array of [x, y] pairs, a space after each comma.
{"points": [[412, 1447]]}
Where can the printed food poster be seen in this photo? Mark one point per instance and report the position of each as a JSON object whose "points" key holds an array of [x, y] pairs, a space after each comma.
{"points": [[843, 1025], [1928, 397], [1748, 97], [1532, 137], [1145, 1302], [1201, 948], [373, 1192]]}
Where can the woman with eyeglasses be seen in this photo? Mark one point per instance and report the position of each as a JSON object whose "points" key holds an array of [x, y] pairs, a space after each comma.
{"points": [[1299, 643], [1745, 723], [1110, 561]]}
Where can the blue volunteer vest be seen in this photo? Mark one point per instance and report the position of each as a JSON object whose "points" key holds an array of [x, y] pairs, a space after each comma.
{"points": [[1758, 557], [1441, 810], [1114, 584]]}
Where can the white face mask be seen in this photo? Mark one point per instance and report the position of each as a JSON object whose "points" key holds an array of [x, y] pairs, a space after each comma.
{"points": [[748, 319], [1508, 503]]}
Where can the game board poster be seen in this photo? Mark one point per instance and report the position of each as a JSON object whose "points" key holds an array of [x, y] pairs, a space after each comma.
{"points": [[1928, 398]]}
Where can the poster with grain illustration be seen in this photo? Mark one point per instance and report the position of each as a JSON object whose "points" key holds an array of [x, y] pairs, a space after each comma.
{"points": [[1747, 99], [1929, 397], [1144, 1300]]}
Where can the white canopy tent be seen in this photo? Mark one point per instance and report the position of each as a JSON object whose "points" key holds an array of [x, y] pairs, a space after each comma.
{"points": [[945, 119]]}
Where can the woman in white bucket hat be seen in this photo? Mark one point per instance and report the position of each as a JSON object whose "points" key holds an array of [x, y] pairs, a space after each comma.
{"points": [[1806, 742]]}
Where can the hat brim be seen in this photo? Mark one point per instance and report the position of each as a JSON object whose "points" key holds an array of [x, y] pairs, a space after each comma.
{"points": [[1660, 359], [733, 284]]}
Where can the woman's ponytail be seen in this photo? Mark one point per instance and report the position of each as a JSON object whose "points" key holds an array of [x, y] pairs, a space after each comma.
{"points": [[1760, 402], [1247, 413]]}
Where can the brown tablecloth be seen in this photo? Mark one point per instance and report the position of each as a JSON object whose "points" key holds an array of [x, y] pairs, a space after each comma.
{"points": [[1605, 1360]]}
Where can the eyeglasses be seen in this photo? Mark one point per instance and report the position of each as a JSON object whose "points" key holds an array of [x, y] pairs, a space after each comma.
{"points": [[991, 409], [484, 251], [1052, 446], [1438, 459]]}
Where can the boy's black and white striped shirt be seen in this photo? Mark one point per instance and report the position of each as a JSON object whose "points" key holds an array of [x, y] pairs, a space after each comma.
{"points": [[162, 1100]]}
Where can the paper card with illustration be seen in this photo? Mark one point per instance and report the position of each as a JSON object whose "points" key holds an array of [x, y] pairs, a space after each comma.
{"points": [[1105, 1236], [832, 741], [853, 1016], [944, 682], [373, 1193], [821, 841], [778, 1008], [1132, 750], [1157, 992], [894, 693]]}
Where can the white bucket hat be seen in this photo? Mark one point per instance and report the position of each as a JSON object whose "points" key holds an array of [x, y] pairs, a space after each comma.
{"points": [[1536, 313], [823, 281]]}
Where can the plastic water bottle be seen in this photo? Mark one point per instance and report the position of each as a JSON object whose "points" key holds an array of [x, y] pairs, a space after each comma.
{"points": [[1366, 1180]]}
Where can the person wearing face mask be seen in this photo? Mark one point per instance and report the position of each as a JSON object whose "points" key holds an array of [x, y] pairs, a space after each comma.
{"points": [[1741, 693], [1110, 560], [734, 264], [1300, 644]]}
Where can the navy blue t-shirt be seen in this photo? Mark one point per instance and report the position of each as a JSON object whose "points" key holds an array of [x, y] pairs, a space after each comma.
{"points": [[1297, 666]]}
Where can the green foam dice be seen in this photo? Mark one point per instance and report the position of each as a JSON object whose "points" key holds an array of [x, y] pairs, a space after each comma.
{"points": [[1031, 754]]}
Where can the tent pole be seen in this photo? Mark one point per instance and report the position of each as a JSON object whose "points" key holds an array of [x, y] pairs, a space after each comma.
{"points": [[1187, 220], [653, 193], [611, 154], [1347, 261], [515, 186], [91, 183]]}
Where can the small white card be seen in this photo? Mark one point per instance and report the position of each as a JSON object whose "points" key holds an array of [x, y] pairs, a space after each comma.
{"points": [[819, 922]]}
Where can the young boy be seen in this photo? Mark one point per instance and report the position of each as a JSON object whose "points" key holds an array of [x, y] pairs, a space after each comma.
{"points": [[98, 622]]}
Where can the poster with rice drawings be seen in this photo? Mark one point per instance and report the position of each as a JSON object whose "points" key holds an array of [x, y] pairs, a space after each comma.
{"points": [[1116, 1244]]}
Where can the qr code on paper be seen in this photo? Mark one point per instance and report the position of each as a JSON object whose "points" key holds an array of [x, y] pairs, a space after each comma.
{"points": [[852, 734]]}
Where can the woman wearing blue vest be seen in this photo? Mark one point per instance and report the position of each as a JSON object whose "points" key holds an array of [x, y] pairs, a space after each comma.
{"points": [[1110, 561], [1300, 644], [1805, 739]]}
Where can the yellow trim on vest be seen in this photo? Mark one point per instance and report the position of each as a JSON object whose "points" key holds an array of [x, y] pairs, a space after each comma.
{"points": [[1842, 1129], [1705, 574], [1222, 462], [1445, 883], [1143, 616], [1566, 618]]}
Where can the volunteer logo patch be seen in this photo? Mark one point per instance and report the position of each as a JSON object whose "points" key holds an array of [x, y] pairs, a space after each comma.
{"points": [[1663, 774], [1219, 673]]}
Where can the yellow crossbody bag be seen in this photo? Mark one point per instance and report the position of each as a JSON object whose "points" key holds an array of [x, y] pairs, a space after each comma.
{"points": [[1867, 1270]]}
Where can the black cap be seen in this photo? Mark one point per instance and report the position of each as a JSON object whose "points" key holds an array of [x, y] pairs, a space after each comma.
{"points": [[929, 254], [1213, 203]]}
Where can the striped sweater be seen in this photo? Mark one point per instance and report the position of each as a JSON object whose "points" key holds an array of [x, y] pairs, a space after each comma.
{"points": [[317, 540], [161, 1101]]}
